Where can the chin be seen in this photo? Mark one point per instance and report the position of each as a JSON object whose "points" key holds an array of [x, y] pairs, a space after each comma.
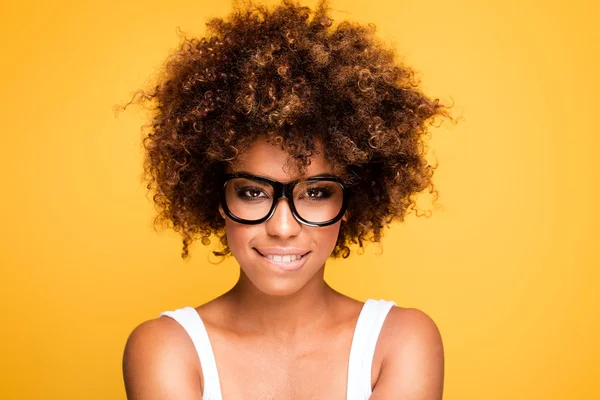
{"points": [[279, 287]]}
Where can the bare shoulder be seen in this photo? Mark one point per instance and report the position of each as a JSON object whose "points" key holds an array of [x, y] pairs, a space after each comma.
{"points": [[410, 324], [159, 363], [413, 357]]}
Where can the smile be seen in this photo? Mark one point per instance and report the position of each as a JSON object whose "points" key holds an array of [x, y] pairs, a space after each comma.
{"points": [[286, 261]]}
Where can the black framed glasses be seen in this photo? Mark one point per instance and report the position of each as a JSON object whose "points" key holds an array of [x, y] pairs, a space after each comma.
{"points": [[315, 201]]}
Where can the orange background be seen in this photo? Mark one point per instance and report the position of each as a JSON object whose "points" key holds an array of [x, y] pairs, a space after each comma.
{"points": [[508, 269]]}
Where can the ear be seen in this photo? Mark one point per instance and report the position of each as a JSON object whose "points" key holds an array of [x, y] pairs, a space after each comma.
{"points": [[221, 211], [345, 217]]}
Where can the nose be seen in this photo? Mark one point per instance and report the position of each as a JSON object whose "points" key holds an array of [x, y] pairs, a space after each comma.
{"points": [[283, 224]]}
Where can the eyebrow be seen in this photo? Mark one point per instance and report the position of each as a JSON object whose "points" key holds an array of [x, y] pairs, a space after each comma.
{"points": [[321, 175]]}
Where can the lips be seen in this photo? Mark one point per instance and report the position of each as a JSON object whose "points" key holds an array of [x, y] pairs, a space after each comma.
{"points": [[287, 259], [281, 251]]}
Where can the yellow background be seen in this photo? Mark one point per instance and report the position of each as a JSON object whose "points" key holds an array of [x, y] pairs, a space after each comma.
{"points": [[508, 269]]}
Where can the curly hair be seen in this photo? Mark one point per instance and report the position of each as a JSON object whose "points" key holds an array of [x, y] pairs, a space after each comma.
{"points": [[290, 75]]}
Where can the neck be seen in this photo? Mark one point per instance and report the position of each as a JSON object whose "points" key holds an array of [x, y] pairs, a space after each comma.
{"points": [[281, 316]]}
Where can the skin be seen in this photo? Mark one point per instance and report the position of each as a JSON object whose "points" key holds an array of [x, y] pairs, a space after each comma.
{"points": [[283, 335]]}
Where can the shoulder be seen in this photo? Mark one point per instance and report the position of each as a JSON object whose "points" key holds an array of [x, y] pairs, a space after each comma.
{"points": [[413, 324], [413, 357], [160, 362]]}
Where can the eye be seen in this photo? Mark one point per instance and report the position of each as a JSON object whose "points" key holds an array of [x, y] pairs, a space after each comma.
{"points": [[316, 194], [250, 193]]}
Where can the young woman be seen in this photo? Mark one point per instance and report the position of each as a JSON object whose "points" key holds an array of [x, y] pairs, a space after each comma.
{"points": [[289, 139]]}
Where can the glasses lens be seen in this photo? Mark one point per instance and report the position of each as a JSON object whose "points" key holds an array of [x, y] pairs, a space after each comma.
{"points": [[248, 199], [318, 201]]}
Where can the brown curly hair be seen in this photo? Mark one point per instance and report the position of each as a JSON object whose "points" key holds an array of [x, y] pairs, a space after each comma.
{"points": [[289, 75]]}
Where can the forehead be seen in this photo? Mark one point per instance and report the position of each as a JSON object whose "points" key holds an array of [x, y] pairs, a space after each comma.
{"points": [[265, 159]]}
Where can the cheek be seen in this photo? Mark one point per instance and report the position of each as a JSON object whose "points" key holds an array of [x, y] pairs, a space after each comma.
{"points": [[326, 237], [238, 236]]}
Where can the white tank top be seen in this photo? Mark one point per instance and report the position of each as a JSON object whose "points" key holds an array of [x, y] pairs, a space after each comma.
{"points": [[360, 362]]}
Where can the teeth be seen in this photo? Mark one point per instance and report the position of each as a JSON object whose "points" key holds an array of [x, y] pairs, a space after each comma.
{"points": [[284, 259]]}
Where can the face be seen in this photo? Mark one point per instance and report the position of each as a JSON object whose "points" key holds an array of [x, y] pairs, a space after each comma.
{"points": [[266, 251]]}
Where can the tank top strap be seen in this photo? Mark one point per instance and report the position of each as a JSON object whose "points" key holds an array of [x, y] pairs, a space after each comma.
{"points": [[369, 324], [190, 320]]}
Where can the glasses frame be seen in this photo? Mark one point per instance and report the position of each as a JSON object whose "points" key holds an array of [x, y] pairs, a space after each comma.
{"points": [[285, 190]]}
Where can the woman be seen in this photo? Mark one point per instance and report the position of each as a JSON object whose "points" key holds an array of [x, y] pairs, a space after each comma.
{"points": [[289, 140]]}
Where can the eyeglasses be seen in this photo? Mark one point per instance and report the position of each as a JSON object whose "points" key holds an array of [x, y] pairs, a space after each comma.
{"points": [[316, 201]]}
